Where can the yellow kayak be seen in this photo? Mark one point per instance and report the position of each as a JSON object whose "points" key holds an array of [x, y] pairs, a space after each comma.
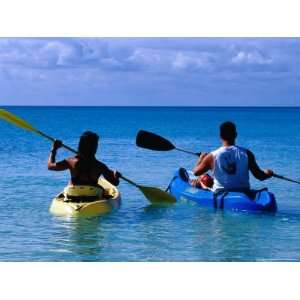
{"points": [[102, 203]]}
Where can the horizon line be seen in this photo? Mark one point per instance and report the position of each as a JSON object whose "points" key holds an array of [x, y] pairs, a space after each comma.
{"points": [[158, 106]]}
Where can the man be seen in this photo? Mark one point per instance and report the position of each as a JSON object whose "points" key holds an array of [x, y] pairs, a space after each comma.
{"points": [[230, 164]]}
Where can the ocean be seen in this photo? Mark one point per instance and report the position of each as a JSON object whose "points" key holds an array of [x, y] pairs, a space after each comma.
{"points": [[139, 231]]}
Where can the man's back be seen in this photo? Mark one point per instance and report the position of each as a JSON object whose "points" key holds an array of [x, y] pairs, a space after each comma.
{"points": [[230, 168]]}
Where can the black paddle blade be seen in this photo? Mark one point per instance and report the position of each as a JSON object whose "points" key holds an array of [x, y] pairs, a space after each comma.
{"points": [[152, 141]]}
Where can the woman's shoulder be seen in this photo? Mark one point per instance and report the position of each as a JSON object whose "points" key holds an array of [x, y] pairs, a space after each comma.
{"points": [[100, 164], [71, 160]]}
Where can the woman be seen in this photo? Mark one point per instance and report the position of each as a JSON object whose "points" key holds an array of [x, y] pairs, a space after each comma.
{"points": [[85, 169]]}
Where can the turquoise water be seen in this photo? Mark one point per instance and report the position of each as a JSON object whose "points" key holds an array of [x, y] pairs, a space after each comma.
{"points": [[139, 232]]}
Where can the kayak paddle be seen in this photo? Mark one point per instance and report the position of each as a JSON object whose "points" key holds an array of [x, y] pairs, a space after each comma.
{"points": [[154, 195], [13, 119], [285, 178], [152, 141]]}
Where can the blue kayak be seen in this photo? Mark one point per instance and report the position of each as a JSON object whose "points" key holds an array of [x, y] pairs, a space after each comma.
{"points": [[252, 201]]}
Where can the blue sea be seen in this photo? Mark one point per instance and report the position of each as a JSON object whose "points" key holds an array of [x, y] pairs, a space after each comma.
{"points": [[139, 231]]}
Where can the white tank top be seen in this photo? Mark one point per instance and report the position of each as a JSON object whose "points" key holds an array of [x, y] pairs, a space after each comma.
{"points": [[231, 169]]}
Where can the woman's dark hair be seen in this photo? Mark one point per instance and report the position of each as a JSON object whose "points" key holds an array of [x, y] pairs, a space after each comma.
{"points": [[228, 131], [88, 144], [87, 148]]}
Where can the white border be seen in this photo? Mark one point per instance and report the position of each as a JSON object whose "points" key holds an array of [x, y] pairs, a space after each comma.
{"points": [[155, 18], [149, 281]]}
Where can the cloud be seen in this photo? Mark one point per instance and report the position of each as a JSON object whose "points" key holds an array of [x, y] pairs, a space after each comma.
{"points": [[192, 61], [255, 57], [58, 54], [48, 53], [139, 55], [130, 68]]}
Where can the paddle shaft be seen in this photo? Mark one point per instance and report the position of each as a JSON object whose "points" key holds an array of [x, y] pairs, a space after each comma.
{"points": [[149, 140], [52, 139], [152, 194], [186, 151], [74, 151], [129, 181], [274, 175], [285, 178], [152, 141]]}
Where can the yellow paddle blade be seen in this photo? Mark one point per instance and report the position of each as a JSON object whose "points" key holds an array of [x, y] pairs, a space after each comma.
{"points": [[11, 118], [155, 195]]}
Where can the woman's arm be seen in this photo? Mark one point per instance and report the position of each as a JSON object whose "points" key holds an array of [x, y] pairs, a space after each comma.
{"points": [[52, 164], [109, 175]]}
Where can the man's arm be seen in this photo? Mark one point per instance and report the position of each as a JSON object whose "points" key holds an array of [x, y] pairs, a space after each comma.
{"points": [[257, 172], [204, 165]]}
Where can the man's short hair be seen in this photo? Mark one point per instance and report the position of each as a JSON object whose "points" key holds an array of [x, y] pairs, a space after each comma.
{"points": [[228, 131]]}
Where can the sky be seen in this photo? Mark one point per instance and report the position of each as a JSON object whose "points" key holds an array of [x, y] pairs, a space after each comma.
{"points": [[150, 71]]}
